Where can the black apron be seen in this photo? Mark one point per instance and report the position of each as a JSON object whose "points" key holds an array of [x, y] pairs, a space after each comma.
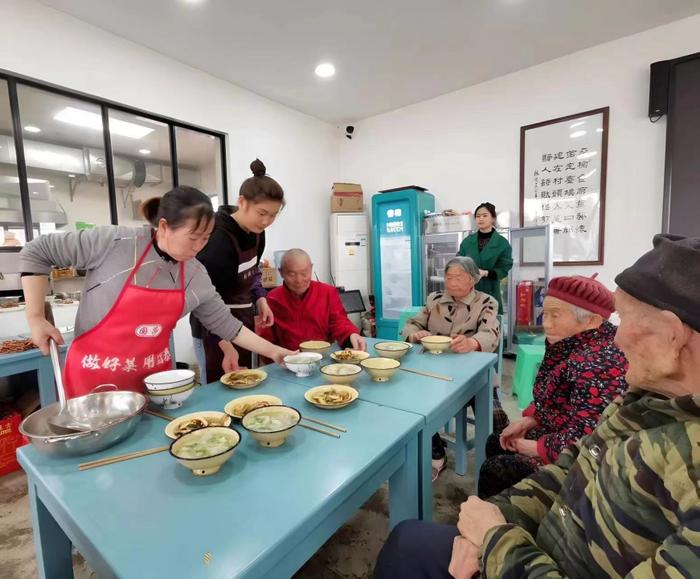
{"points": [[241, 306]]}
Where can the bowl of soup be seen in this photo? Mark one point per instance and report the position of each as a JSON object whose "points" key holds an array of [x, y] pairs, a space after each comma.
{"points": [[380, 369], [318, 346], [205, 450], [271, 425], [303, 364], [341, 373], [436, 344], [393, 350]]}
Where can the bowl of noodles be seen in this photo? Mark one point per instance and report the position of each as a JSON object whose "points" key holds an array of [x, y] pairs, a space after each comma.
{"points": [[243, 379], [331, 396]]}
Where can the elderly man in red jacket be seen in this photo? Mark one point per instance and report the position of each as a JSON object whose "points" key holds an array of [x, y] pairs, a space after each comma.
{"points": [[306, 309]]}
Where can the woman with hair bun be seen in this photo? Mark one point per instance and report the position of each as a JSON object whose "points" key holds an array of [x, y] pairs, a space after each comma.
{"points": [[139, 283], [232, 260], [490, 251]]}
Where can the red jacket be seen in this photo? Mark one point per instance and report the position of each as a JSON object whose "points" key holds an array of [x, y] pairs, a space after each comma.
{"points": [[317, 315]]}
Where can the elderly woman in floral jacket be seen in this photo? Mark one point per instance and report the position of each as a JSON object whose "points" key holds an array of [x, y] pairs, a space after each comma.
{"points": [[582, 372], [469, 317]]}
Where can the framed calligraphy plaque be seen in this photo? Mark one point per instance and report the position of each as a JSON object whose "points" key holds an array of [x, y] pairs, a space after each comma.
{"points": [[563, 164]]}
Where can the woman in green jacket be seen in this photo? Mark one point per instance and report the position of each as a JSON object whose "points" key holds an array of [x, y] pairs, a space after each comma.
{"points": [[490, 251]]}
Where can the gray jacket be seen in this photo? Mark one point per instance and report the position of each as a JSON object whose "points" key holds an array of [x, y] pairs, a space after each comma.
{"points": [[109, 254]]}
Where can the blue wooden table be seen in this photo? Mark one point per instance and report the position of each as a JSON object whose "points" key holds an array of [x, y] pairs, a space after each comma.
{"points": [[263, 515], [32, 360], [436, 401]]}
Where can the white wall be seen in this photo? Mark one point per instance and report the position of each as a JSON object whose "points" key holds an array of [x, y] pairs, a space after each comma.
{"points": [[464, 146], [300, 151]]}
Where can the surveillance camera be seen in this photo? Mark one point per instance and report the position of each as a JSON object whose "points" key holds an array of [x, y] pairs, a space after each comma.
{"points": [[349, 130]]}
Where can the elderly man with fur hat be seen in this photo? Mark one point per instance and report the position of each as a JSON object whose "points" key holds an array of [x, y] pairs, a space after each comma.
{"points": [[582, 372], [625, 500]]}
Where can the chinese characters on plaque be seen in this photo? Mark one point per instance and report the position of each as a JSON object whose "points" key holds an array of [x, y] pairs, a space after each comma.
{"points": [[562, 176]]}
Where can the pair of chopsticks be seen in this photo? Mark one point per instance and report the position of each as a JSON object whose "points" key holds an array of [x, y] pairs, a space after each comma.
{"points": [[313, 420], [326, 424], [429, 374], [121, 458]]}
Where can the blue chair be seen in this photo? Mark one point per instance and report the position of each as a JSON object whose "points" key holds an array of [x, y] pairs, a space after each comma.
{"points": [[405, 315]]}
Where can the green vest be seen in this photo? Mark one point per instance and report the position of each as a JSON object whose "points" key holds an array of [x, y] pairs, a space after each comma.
{"points": [[496, 256]]}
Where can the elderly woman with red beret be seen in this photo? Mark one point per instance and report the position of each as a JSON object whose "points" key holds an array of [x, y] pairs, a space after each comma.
{"points": [[582, 372]]}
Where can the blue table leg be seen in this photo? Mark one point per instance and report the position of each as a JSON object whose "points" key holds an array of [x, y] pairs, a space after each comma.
{"points": [[425, 468], [461, 442], [403, 487], [53, 549], [483, 415]]}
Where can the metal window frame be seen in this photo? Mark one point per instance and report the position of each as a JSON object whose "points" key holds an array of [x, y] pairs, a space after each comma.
{"points": [[105, 105]]}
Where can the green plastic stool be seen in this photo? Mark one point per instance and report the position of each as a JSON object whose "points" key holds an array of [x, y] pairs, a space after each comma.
{"points": [[405, 315], [529, 358]]}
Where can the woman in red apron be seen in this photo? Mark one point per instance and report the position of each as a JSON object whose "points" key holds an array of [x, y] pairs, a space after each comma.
{"points": [[139, 283], [232, 259]]}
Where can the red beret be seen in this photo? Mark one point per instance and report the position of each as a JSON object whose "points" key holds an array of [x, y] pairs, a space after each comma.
{"points": [[584, 292]]}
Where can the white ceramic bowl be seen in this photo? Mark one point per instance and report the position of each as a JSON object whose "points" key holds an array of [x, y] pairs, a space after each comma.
{"points": [[380, 369], [341, 373], [436, 344], [170, 401], [168, 380], [303, 364], [393, 350], [205, 465], [271, 438]]}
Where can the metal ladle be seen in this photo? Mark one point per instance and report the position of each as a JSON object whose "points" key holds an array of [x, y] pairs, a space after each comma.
{"points": [[64, 421]]}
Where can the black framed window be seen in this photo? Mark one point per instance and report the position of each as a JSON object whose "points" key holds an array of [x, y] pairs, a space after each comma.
{"points": [[79, 161], [12, 233], [142, 162]]}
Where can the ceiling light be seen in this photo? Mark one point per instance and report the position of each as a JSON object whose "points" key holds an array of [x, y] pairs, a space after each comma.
{"points": [[325, 70], [71, 175], [577, 124], [577, 134], [599, 130], [32, 129], [145, 151], [83, 118]]}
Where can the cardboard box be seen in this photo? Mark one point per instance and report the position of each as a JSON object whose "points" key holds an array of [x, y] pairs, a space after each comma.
{"points": [[347, 188], [10, 439], [346, 198], [269, 277]]}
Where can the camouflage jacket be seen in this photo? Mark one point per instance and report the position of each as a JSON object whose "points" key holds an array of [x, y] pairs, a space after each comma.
{"points": [[623, 502]]}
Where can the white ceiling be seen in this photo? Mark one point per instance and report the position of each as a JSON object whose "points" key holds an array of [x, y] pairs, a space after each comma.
{"points": [[388, 53]]}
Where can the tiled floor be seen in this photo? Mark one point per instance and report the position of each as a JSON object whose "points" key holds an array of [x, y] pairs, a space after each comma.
{"points": [[350, 553]]}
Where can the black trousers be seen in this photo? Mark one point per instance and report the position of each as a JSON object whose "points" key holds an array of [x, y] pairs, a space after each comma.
{"points": [[502, 468], [416, 550]]}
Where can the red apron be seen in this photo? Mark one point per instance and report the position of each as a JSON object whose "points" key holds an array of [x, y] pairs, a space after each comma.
{"points": [[132, 340]]}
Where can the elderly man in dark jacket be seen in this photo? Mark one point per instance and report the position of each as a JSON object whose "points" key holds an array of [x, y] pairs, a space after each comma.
{"points": [[625, 500]]}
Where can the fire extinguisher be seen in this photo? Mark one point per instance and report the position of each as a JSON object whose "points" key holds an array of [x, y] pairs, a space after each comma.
{"points": [[523, 299]]}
